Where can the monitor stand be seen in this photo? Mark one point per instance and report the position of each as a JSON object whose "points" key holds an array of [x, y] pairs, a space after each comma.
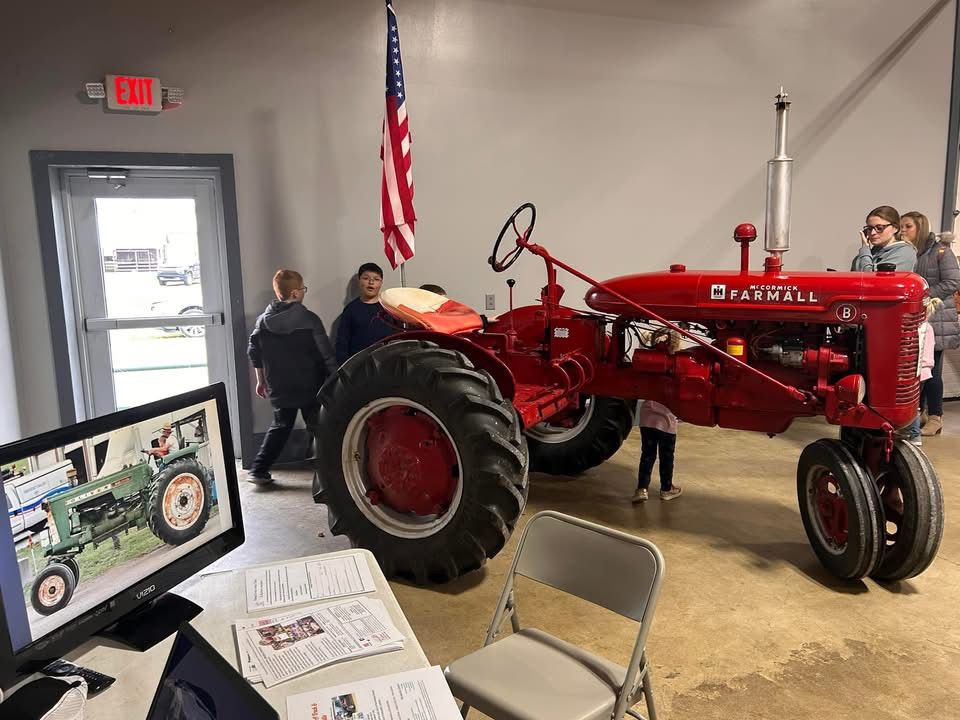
{"points": [[149, 624]]}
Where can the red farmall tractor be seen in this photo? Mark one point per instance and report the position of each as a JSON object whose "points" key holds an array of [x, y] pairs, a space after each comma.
{"points": [[427, 439]]}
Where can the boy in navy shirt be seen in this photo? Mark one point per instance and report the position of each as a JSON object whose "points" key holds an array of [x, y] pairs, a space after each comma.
{"points": [[360, 324]]}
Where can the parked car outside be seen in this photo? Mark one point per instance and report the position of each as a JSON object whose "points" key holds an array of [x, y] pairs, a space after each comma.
{"points": [[181, 302], [186, 274]]}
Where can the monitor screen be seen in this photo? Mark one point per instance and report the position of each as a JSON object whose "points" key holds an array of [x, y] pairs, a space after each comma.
{"points": [[107, 514]]}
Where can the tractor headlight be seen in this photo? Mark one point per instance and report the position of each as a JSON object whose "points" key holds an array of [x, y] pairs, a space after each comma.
{"points": [[851, 389]]}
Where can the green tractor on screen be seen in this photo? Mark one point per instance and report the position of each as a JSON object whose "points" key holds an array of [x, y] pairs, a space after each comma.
{"points": [[172, 498]]}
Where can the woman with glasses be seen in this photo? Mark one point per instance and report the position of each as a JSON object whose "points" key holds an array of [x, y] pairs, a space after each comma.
{"points": [[937, 264], [880, 243]]}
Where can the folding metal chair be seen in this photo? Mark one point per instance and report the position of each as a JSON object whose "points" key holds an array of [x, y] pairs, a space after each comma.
{"points": [[531, 675]]}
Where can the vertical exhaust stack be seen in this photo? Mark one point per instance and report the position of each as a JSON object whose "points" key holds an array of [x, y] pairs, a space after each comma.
{"points": [[779, 182]]}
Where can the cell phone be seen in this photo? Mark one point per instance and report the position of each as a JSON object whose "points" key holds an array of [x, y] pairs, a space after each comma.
{"points": [[96, 682]]}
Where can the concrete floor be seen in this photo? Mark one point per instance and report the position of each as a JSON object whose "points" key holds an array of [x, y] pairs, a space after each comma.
{"points": [[748, 625]]}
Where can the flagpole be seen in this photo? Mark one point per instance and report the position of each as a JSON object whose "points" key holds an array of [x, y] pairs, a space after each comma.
{"points": [[397, 216]]}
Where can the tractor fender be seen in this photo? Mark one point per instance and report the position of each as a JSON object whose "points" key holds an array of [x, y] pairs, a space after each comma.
{"points": [[481, 358], [188, 451]]}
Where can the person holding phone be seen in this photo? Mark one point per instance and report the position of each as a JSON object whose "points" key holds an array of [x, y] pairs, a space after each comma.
{"points": [[880, 243]]}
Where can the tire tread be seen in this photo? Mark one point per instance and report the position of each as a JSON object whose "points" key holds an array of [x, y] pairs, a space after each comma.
{"points": [[490, 443], [603, 435]]}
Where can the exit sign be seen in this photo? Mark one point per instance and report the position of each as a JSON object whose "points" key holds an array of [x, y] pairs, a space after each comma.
{"points": [[133, 93]]}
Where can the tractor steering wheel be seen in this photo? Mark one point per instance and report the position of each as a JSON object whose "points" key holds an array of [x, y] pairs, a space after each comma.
{"points": [[501, 264]]}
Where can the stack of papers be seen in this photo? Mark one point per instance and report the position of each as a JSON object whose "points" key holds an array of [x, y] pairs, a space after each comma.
{"points": [[276, 648], [415, 695], [297, 582]]}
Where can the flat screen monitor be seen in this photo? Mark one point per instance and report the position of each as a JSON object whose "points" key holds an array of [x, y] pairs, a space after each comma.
{"points": [[138, 501]]}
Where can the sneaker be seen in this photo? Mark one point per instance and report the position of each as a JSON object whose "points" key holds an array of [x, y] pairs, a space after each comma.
{"points": [[640, 496], [259, 478], [915, 440], [672, 493]]}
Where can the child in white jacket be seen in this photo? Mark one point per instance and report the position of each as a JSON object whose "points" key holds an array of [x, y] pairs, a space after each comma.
{"points": [[927, 359], [658, 433]]}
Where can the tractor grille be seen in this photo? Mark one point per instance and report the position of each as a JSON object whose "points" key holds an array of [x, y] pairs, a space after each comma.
{"points": [[908, 384]]}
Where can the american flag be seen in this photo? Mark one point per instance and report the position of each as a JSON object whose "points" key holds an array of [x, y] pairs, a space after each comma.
{"points": [[397, 216]]}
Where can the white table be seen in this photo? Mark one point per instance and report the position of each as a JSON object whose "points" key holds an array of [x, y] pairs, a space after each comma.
{"points": [[223, 597]]}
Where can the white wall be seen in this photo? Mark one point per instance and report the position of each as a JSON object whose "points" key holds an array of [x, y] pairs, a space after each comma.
{"points": [[640, 128]]}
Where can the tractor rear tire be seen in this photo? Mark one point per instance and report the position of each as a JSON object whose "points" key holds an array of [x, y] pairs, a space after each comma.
{"points": [[179, 502], [840, 508], [913, 508], [372, 473], [52, 588], [604, 425]]}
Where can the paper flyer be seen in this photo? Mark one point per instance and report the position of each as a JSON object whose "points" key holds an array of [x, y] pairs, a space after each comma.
{"points": [[276, 648], [414, 695], [285, 584]]}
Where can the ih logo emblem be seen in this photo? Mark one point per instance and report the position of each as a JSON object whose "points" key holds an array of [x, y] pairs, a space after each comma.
{"points": [[718, 292]]}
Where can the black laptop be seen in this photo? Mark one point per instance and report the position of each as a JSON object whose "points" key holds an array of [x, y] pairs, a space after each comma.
{"points": [[199, 684]]}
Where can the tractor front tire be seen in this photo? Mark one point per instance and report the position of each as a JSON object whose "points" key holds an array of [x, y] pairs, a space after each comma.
{"points": [[71, 562], [421, 460], [840, 509], [597, 434], [52, 588], [912, 504], [179, 502]]}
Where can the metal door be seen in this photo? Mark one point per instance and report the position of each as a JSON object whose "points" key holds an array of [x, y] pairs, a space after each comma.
{"points": [[146, 259]]}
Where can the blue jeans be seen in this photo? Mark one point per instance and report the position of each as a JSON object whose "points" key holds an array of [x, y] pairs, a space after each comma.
{"points": [[652, 441], [915, 427], [931, 396]]}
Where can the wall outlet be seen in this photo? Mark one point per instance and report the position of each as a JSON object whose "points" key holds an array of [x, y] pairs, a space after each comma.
{"points": [[490, 302]]}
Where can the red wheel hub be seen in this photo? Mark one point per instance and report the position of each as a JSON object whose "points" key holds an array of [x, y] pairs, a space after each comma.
{"points": [[568, 422], [831, 508], [411, 463]]}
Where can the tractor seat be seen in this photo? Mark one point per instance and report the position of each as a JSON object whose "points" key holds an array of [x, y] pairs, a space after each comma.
{"points": [[430, 311]]}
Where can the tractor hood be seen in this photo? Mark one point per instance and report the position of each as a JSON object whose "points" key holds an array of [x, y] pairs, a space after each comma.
{"points": [[731, 295]]}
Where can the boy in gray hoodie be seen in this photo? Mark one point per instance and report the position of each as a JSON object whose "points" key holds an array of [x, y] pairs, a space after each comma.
{"points": [[292, 356]]}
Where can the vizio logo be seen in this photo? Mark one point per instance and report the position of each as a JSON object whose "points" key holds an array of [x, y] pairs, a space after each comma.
{"points": [[718, 292], [146, 591]]}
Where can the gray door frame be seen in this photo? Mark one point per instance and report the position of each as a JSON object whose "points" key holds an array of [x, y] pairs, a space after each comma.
{"points": [[46, 167], [949, 206]]}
